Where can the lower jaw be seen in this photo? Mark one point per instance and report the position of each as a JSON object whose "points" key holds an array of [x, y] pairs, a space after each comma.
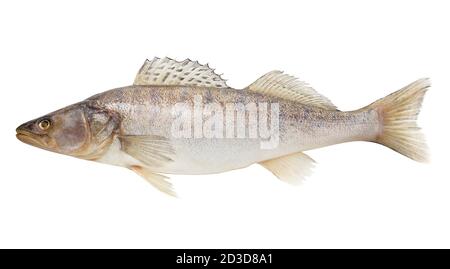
{"points": [[29, 140]]}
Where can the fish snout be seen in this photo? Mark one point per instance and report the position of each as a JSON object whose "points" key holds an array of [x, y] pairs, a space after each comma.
{"points": [[27, 134], [25, 127]]}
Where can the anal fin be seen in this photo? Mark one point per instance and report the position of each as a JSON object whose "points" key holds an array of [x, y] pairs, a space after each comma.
{"points": [[158, 181], [292, 169]]}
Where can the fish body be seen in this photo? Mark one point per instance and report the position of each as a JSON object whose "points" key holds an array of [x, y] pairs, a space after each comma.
{"points": [[301, 127], [182, 118]]}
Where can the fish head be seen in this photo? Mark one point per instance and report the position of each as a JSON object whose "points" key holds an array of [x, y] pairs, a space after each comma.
{"points": [[79, 130]]}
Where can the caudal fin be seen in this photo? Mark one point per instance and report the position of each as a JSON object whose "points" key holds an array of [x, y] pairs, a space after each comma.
{"points": [[398, 113]]}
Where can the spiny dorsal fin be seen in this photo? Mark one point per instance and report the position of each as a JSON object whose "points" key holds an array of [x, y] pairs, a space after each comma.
{"points": [[284, 86], [167, 71]]}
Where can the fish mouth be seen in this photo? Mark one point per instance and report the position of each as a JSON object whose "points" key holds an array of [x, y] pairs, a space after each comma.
{"points": [[29, 138]]}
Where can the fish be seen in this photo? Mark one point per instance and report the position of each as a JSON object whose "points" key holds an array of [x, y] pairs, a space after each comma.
{"points": [[181, 117]]}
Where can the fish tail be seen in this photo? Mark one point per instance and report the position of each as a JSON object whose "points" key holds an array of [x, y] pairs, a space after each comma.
{"points": [[398, 117]]}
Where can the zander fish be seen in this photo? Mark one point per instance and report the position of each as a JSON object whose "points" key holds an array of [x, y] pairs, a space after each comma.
{"points": [[182, 118]]}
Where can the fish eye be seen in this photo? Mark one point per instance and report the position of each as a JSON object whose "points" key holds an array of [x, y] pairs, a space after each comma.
{"points": [[44, 124]]}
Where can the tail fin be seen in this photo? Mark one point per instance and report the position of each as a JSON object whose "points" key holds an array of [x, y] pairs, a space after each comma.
{"points": [[398, 113]]}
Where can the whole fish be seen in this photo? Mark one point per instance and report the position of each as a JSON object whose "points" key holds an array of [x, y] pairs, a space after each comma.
{"points": [[182, 118]]}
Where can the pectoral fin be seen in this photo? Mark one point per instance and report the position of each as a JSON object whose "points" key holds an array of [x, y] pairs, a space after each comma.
{"points": [[158, 181], [292, 169], [152, 150]]}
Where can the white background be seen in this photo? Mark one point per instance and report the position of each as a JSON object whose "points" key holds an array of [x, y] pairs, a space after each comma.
{"points": [[54, 53]]}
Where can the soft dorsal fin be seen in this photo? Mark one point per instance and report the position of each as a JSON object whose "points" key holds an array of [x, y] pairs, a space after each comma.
{"points": [[284, 86], [167, 71]]}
